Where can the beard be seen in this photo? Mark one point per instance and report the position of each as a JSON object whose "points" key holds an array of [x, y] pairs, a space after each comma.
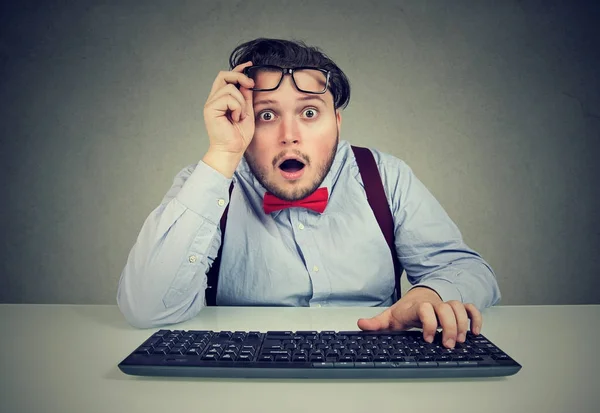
{"points": [[261, 174]]}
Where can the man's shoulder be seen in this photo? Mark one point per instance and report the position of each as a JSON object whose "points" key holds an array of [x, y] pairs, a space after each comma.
{"points": [[385, 161]]}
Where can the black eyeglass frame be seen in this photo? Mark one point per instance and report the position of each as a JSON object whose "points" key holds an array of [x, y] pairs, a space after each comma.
{"points": [[290, 70]]}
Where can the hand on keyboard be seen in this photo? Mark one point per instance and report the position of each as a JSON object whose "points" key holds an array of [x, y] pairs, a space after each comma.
{"points": [[423, 308]]}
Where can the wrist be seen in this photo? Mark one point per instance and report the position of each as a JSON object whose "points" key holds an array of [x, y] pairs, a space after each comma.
{"points": [[222, 161], [424, 294]]}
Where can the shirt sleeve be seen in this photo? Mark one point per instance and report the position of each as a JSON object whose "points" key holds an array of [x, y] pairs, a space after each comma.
{"points": [[429, 244], [164, 279]]}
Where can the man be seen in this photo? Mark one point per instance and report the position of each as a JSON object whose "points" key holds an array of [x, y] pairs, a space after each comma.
{"points": [[274, 134]]}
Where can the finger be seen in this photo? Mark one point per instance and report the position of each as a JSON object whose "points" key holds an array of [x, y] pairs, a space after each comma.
{"points": [[447, 320], [242, 66], [381, 321], [221, 106], [229, 90], [462, 320], [234, 76], [247, 94], [230, 79], [426, 314], [476, 318]]}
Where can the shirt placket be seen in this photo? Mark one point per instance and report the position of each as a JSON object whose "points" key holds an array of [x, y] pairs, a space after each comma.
{"points": [[302, 224]]}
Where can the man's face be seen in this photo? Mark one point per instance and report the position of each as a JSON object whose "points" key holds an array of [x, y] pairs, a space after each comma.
{"points": [[295, 140]]}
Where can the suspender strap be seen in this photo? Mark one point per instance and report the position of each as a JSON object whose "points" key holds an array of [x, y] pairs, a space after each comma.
{"points": [[213, 274], [378, 201]]}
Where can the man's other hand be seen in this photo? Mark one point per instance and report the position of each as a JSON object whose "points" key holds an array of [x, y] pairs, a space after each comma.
{"points": [[422, 308]]}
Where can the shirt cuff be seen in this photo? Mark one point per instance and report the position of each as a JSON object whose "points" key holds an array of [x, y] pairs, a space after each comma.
{"points": [[444, 288], [206, 192]]}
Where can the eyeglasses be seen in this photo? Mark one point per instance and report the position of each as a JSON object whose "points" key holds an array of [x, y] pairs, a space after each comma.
{"points": [[307, 79]]}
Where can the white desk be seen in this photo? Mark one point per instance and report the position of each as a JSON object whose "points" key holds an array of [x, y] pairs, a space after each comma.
{"points": [[63, 358]]}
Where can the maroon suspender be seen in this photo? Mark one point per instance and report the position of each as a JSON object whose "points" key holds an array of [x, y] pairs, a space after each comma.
{"points": [[212, 276], [379, 204], [376, 198]]}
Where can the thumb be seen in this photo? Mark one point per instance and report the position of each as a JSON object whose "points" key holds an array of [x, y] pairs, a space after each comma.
{"points": [[381, 321]]}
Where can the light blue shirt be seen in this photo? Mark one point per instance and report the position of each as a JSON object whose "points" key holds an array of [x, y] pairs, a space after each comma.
{"points": [[295, 257]]}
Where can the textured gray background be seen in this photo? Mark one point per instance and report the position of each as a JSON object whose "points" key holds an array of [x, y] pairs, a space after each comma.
{"points": [[495, 105]]}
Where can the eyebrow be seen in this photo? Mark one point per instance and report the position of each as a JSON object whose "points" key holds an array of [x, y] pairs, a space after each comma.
{"points": [[274, 102]]}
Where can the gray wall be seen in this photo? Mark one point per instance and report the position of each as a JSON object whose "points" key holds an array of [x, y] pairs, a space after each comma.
{"points": [[495, 105]]}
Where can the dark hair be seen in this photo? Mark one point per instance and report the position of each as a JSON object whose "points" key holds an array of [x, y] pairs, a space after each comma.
{"points": [[286, 53]]}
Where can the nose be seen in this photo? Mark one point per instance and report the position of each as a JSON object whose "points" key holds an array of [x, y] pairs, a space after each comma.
{"points": [[289, 131]]}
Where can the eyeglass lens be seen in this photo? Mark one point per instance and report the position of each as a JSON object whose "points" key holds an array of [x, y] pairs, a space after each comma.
{"points": [[307, 80]]}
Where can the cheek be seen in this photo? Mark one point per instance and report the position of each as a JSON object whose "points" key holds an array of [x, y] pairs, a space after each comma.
{"points": [[258, 153]]}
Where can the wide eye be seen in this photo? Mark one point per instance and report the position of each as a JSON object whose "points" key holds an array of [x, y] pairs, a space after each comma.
{"points": [[266, 116], [310, 112]]}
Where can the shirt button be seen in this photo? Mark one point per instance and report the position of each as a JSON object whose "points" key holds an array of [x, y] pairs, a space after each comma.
{"points": [[221, 202], [192, 259], [301, 226], [316, 269]]}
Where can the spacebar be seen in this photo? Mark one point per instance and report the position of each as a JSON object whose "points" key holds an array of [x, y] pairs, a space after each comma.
{"points": [[247, 364]]}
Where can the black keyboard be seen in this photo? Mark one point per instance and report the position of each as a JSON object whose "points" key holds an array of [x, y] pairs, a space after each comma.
{"points": [[314, 354]]}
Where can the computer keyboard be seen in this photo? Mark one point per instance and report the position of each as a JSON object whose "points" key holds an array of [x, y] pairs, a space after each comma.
{"points": [[314, 354]]}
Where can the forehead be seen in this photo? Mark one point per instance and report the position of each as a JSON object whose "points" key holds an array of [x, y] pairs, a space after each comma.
{"points": [[265, 99]]}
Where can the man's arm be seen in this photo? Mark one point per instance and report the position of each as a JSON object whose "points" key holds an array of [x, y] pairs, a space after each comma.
{"points": [[432, 250], [452, 283], [164, 279]]}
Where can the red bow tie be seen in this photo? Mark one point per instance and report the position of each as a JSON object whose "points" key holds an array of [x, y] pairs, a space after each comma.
{"points": [[317, 201]]}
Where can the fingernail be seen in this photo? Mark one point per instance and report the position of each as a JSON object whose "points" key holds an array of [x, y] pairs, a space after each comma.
{"points": [[449, 343], [429, 339], [461, 337]]}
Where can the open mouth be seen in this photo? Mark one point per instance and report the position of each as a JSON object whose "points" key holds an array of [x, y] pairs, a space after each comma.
{"points": [[291, 165]]}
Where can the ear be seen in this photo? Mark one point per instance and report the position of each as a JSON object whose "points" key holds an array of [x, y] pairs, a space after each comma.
{"points": [[338, 119]]}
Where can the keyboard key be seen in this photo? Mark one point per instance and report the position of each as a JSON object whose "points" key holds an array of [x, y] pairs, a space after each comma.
{"points": [[343, 364], [279, 335], [467, 364], [272, 344], [448, 363], [405, 364], [152, 341], [144, 350]]}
